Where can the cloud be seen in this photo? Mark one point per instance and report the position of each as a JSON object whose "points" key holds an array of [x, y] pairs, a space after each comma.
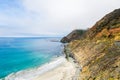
{"points": [[51, 17]]}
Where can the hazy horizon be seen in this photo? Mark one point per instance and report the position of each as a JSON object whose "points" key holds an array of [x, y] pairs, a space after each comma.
{"points": [[50, 18]]}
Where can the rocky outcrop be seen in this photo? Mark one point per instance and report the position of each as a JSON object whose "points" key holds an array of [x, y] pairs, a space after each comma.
{"points": [[98, 52], [76, 34]]}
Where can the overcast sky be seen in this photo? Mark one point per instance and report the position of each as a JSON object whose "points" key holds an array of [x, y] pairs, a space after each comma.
{"points": [[51, 17]]}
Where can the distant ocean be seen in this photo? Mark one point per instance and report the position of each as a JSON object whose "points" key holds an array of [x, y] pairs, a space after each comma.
{"points": [[18, 54]]}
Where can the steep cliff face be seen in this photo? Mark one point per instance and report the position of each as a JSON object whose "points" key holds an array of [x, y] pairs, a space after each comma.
{"points": [[76, 34], [105, 27], [98, 52]]}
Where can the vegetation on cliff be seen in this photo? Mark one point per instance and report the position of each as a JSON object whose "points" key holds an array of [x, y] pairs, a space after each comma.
{"points": [[74, 35], [98, 51]]}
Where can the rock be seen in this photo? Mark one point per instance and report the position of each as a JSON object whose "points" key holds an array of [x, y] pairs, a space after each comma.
{"points": [[117, 43], [65, 40]]}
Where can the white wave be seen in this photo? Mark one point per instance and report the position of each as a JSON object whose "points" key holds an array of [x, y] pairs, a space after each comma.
{"points": [[29, 74]]}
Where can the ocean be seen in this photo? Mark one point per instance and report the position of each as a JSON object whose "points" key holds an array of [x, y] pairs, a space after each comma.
{"points": [[17, 54]]}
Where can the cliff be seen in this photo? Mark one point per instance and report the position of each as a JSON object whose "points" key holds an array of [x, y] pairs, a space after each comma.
{"points": [[74, 35], [98, 51], [105, 27]]}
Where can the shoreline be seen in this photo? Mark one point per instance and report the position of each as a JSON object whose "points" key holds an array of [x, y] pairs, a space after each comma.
{"points": [[58, 69]]}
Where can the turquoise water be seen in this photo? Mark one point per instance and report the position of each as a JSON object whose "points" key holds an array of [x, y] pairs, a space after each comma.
{"points": [[22, 53]]}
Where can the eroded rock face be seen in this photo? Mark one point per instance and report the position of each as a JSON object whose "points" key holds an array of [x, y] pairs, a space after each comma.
{"points": [[100, 59], [98, 52]]}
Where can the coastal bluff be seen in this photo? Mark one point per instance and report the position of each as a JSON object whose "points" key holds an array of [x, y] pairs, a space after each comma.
{"points": [[74, 35], [97, 50]]}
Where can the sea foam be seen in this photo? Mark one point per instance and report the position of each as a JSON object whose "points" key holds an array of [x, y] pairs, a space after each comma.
{"points": [[29, 74]]}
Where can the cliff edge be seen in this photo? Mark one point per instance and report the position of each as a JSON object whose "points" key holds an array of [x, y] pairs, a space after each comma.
{"points": [[98, 51]]}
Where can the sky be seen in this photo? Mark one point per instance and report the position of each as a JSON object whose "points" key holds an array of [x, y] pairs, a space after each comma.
{"points": [[24, 18]]}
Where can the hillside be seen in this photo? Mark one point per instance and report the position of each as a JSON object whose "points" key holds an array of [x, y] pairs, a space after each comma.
{"points": [[98, 51], [74, 35], [106, 27]]}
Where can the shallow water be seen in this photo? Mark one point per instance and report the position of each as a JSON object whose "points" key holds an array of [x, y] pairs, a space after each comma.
{"points": [[23, 53]]}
